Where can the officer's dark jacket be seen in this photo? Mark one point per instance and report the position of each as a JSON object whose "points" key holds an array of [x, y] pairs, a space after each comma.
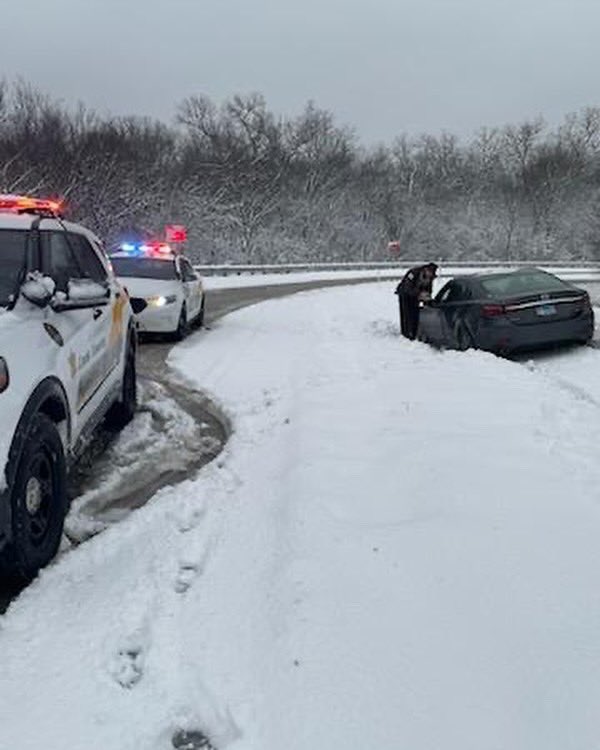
{"points": [[415, 282]]}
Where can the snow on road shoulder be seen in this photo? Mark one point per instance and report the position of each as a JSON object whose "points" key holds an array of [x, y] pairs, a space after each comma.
{"points": [[238, 281], [397, 548]]}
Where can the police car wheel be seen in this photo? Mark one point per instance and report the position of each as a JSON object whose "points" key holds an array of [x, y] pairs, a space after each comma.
{"points": [[182, 326], [123, 411], [199, 319], [38, 502]]}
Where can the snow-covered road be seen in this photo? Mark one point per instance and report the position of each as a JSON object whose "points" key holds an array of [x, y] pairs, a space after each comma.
{"points": [[398, 548], [171, 437]]}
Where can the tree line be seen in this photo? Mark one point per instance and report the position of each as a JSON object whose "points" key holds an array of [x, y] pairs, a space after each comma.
{"points": [[253, 187]]}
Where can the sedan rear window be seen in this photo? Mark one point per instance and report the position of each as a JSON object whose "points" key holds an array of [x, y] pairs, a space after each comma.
{"points": [[13, 254], [144, 268], [522, 283]]}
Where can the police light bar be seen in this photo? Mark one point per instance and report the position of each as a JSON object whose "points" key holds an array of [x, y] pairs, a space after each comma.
{"points": [[156, 248], [25, 204], [147, 249]]}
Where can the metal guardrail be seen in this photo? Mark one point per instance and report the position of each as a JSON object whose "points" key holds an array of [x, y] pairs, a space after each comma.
{"points": [[227, 269]]}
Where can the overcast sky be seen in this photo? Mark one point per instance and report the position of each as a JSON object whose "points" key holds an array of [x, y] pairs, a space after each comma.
{"points": [[382, 66]]}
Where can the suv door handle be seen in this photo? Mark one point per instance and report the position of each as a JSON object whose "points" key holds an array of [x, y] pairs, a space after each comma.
{"points": [[98, 312]]}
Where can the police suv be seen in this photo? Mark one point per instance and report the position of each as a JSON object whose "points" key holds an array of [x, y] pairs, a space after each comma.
{"points": [[67, 362], [166, 292]]}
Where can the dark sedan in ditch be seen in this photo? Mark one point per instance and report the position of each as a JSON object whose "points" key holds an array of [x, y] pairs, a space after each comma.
{"points": [[507, 312]]}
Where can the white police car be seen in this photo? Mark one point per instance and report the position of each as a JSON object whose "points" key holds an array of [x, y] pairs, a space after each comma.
{"points": [[166, 293], [67, 362]]}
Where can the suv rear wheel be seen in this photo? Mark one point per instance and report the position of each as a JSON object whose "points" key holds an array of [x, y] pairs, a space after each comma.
{"points": [[38, 502]]}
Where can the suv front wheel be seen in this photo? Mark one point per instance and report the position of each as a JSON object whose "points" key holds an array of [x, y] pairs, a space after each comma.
{"points": [[123, 410], [38, 502]]}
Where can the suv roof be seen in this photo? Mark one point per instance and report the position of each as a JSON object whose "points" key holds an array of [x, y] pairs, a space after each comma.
{"points": [[25, 223]]}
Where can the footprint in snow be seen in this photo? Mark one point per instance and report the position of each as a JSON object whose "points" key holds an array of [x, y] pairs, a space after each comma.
{"points": [[191, 740], [127, 667], [185, 576], [191, 519], [382, 329]]}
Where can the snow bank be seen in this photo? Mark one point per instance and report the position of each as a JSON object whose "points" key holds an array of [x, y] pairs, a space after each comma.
{"points": [[397, 549], [237, 281]]}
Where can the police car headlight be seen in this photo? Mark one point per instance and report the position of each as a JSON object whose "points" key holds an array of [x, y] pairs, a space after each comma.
{"points": [[4, 378], [161, 301]]}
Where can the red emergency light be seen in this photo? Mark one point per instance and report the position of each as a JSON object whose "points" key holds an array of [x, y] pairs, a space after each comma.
{"points": [[156, 248], [175, 233], [22, 204]]}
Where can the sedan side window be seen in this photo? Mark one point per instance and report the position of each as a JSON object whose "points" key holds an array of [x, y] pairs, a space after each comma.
{"points": [[454, 292], [444, 293], [462, 293]]}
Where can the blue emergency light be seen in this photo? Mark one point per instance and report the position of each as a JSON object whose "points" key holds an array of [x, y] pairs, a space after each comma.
{"points": [[147, 249]]}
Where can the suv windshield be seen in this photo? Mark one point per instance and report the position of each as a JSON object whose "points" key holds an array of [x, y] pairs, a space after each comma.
{"points": [[144, 268], [13, 246], [521, 283]]}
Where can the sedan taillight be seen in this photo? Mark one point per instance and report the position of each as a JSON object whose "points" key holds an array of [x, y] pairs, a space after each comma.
{"points": [[584, 302], [492, 311]]}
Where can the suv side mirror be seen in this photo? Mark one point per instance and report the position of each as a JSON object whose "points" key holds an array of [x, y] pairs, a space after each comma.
{"points": [[137, 304], [81, 294], [38, 289]]}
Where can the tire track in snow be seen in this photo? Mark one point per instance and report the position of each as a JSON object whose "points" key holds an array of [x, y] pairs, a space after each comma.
{"points": [[571, 369]]}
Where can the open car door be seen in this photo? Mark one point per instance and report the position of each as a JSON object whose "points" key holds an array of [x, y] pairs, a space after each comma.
{"points": [[431, 318]]}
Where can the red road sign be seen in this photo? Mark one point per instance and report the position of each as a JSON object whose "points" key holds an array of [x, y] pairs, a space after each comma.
{"points": [[175, 233]]}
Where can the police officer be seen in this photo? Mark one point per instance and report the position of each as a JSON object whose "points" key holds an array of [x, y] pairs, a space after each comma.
{"points": [[414, 288]]}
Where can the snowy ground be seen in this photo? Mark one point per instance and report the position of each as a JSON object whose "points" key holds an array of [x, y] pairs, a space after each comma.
{"points": [[398, 548]]}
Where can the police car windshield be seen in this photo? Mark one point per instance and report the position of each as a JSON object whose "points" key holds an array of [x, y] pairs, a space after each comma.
{"points": [[13, 246], [144, 268]]}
